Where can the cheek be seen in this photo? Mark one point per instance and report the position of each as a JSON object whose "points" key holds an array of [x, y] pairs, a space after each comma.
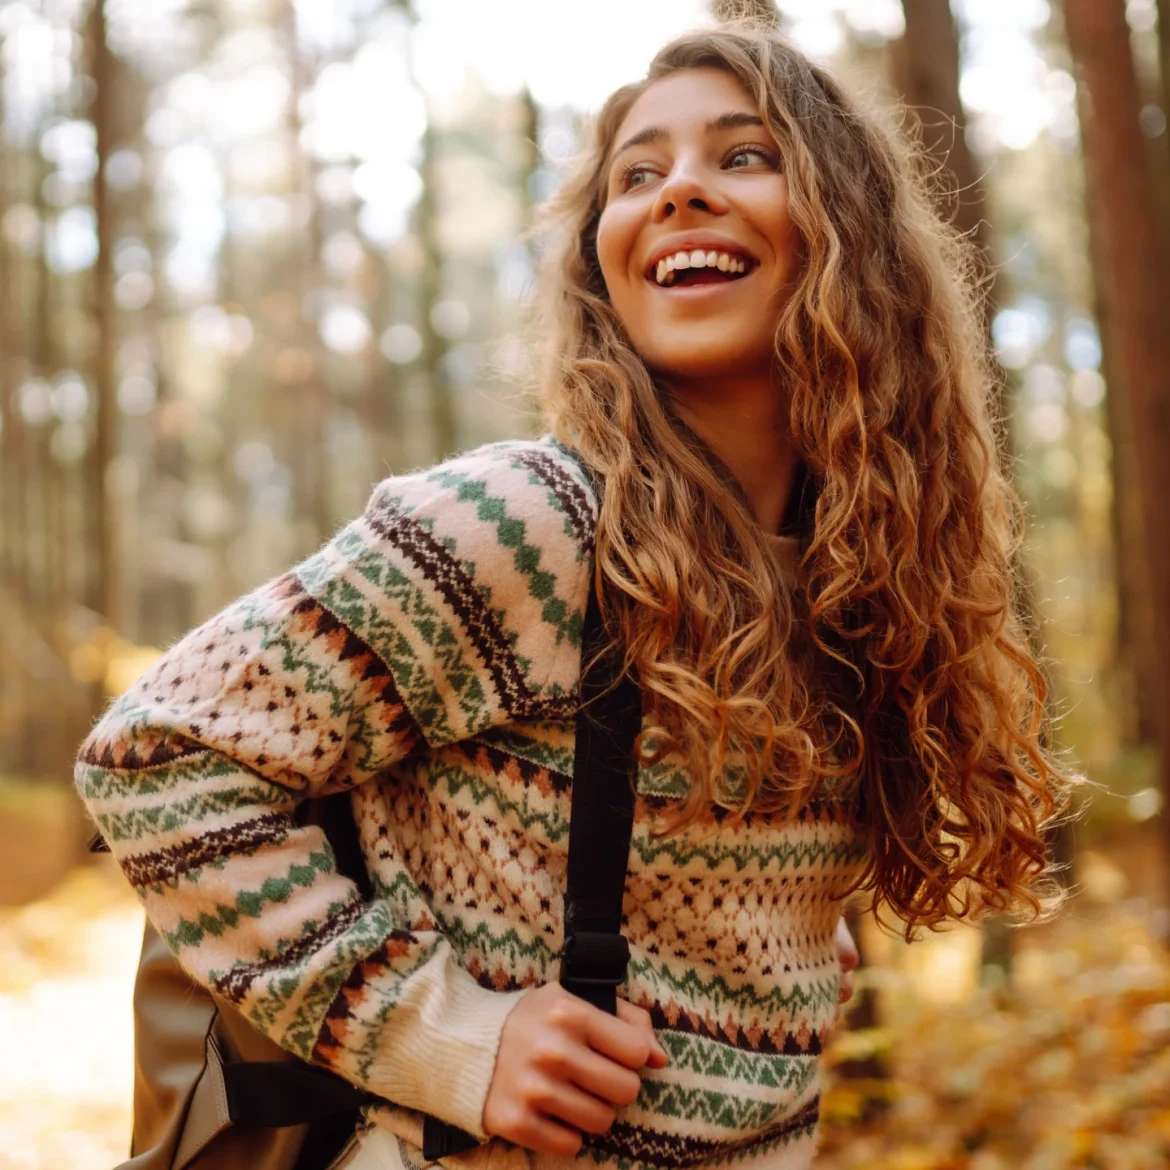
{"points": [[615, 238], [773, 220]]}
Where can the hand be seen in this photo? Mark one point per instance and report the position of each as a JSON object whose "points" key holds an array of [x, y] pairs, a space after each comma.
{"points": [[564, 1067], [849, 958]]}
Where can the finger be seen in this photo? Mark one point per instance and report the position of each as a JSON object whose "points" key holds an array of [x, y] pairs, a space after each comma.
{"points": [[579, 1109], [604, 1078], [614, 1037], [546, 1136], [640, 1018]]}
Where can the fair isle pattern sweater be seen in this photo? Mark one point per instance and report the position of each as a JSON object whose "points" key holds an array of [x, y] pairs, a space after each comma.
{"points": [[427, 658]]}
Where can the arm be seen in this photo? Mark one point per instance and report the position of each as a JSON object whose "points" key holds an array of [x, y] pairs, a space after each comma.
{"points": [[380, 645]]}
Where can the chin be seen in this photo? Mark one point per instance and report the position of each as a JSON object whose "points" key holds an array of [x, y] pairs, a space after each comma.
{"points": [[696, 363]]}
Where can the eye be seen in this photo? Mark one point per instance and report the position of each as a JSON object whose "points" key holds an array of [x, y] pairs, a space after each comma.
{"points": [[751, 156], [634, 175]]}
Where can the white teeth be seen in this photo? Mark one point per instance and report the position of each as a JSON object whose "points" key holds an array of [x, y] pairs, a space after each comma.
{"points": [[669, 265]]}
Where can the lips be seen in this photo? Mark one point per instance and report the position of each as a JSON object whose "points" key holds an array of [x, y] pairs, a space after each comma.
{"points": [[699, 261]]}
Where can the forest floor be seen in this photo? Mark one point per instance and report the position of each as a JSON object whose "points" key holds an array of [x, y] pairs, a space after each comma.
{"points": [[1065, 1066]]}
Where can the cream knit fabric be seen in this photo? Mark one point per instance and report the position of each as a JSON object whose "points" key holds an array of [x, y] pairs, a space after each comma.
{"points": [[427, 659]]}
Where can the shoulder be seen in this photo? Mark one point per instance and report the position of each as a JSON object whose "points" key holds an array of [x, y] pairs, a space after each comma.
{"points": [[501, 537], [534, 492]]}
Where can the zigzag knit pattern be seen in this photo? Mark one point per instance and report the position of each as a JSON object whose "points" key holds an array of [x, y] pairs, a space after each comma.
{"points": [[427, 658]]}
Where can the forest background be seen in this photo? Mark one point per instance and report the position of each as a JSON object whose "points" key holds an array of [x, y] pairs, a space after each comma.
{"points": [[255, 255]]}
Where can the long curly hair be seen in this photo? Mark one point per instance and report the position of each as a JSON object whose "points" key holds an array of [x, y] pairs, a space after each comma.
{"points": [[897, 674]]}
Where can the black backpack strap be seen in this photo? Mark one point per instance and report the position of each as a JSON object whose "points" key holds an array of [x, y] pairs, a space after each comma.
{"points": [[595, 955]]}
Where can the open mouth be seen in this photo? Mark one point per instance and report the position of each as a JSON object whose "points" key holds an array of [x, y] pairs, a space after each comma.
{"points": [[700, 267]]}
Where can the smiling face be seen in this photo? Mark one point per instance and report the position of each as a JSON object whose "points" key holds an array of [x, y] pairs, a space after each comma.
{"points": [[695, 242]]}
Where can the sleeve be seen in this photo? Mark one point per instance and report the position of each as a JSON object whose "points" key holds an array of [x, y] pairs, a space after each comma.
{"points": [[448, 607]]}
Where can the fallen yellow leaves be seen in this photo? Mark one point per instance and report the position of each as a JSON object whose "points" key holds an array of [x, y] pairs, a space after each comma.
{"points": [[1065, 1068], [66, 973]]}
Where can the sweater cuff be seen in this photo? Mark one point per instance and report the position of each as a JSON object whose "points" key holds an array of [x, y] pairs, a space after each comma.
{"points": [[443, 1062]]}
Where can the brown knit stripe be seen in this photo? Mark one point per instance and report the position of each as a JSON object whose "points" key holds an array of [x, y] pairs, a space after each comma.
{"points": [[235, 983], [168, 749], [346, 646], [330, 1043], [466, 602], [492, 759], [171, 862], [674, 1018], [816, 812], [623, 1140], [572, 498]]}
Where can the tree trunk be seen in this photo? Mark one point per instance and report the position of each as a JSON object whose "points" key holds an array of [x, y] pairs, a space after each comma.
{"points": [[925, 64], [926, 67], [12, 517], [1133, 665], [311, 490], [103, 582], [1137, 286], [926, 71], [443, 421]]}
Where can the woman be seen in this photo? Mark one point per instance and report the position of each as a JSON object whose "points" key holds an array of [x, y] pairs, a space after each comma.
{"points": [[763, 343]]}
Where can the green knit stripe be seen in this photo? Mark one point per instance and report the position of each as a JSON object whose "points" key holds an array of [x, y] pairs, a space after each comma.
{"points": [[424, 649], [512, 533], [364, 987], [249, 903], [523, 809], [733, 1110], [176, 800], [784, 852], [717, 996], [548, 745], [706, 1058], [506, 948]]}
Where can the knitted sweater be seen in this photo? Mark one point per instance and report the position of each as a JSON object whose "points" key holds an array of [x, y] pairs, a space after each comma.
{"points": [[427, 658]]}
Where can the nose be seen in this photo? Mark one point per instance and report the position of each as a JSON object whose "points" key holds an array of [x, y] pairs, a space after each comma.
{"points": [[687, 189]]}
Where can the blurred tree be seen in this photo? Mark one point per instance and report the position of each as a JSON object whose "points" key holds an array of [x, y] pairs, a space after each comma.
{"points": [[1163, 11], [102, 540], [925, 63], [1136, 285], [13, 432], [442, 406], [1134, 663], [926, 67], [311, 486], [926, 70]]}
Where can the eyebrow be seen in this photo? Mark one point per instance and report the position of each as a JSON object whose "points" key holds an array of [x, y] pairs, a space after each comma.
{"points": [[656, 133]]}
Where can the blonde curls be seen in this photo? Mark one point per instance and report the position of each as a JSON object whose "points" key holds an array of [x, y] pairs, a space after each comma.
{"points": [[898, 673]]}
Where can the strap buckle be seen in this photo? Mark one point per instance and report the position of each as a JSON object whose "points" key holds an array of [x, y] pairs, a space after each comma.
{"points": [[593, 958]]}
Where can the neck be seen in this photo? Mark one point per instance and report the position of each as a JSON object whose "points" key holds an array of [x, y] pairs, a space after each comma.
{"points": [[740, 419]]}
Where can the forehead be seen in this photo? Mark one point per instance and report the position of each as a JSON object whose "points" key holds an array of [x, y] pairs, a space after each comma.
{"points": [[686, 99]]}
